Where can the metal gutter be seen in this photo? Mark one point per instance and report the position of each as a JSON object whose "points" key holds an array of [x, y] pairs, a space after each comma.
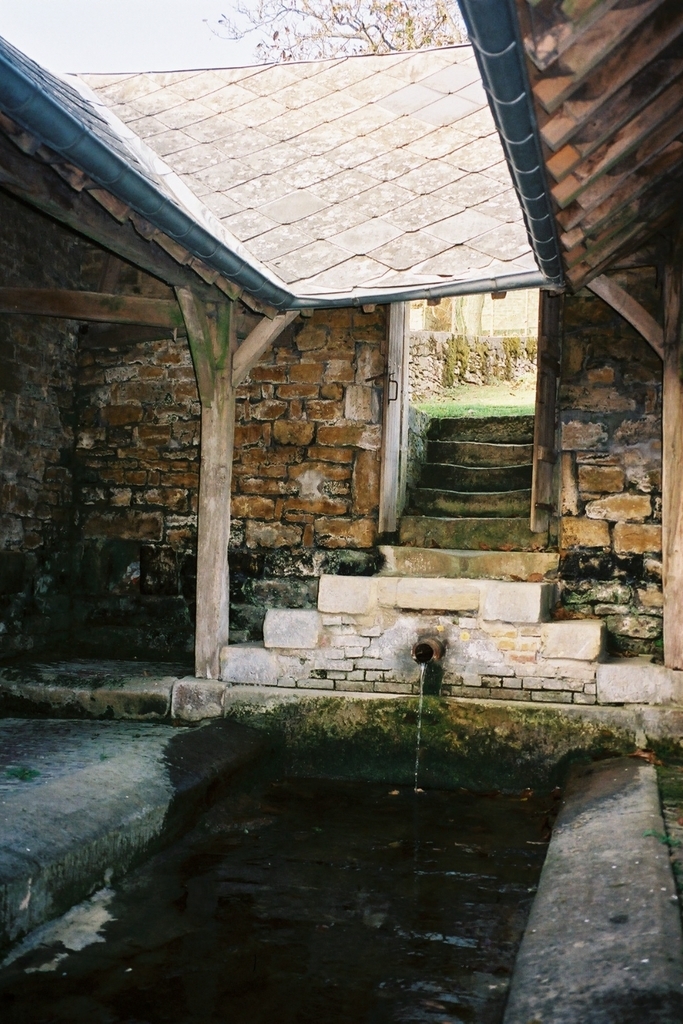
{"points": [[30, 95], [494, 33]]}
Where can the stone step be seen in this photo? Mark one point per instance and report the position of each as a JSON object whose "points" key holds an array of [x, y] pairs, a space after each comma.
{"points": [[480, 534], [431, 501], [528, 566], [479, 453], [476, 479], [494, 429]]}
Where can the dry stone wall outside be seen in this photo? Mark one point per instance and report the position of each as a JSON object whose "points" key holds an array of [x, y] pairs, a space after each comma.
{"points": [[440, 359]]}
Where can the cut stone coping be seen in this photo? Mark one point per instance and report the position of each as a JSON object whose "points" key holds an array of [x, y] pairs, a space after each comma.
{"points": [[80, 802], [463, 564], [603, 943]]}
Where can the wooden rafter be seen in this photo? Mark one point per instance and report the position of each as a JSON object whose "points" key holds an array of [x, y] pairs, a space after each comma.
{"points": [[644, 136], [612, 132]]}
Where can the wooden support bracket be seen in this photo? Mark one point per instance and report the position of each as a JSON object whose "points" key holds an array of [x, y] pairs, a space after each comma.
{"points": [[631, 310], [256, 343]]}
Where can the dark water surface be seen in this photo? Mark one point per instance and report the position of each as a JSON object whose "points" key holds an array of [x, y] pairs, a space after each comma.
{"points": [[303, 901]]}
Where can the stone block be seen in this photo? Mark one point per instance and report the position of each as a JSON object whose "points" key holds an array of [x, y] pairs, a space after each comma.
{"points": [[249, 665], [517, 602], [620, 508], [576, 639], [196, 699], [580, 532], [420, 594], [635, 681], [578, 436], [601, 479], [355, 595], [292, 627], [637, 538]]}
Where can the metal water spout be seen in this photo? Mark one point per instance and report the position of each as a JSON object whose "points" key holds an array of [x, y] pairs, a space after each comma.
{"points": [[427, 649]]}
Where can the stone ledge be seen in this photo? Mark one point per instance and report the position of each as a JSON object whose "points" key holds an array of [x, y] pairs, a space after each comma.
{"points": [[638, 681], [428, 594]]}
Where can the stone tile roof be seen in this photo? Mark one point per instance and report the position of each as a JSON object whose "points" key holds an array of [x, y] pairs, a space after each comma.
{"points": [[347, 176]]}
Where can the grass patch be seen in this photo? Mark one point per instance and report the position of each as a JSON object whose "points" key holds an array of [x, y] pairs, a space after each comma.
{"points": [[479, 400]]}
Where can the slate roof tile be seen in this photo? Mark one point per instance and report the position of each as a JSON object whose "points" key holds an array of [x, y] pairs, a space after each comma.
{"points": [[280, 240], [366, 236], [294, 206], [248, 223], [463, 226], [408, 249], [446, 110], [508, 242], [308, 261], [392, 155]]}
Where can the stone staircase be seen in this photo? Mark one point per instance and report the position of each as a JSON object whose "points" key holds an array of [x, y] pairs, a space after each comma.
{"points": [[475, 488]]}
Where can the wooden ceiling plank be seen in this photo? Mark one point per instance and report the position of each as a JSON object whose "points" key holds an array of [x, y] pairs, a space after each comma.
{"points": [[600, 256], [663, 29], [661, 164], [602, 39], [640, 211], [621, 145], [592, 192], [648, 88], [557, 33]]}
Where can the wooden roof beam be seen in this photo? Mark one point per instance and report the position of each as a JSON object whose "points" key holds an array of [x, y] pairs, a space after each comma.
{"points": [[39, 177], [628, 307], [599, 261], [663, 29], [95, 306], [639, 209]]}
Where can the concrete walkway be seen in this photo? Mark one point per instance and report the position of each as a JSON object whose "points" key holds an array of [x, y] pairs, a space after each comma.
{"points": [[603, 944], [81, 801]]}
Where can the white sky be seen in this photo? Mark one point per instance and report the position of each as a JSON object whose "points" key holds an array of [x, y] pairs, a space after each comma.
{"points": [[123, 35]]}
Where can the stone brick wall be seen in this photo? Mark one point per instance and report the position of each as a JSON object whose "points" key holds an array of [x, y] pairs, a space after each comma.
{"points": [[610, 527], [137, 475], [37, 359], [307, 465]]}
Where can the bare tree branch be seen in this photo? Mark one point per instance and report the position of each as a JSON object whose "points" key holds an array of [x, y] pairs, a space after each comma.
{"points": [[319, 29]]}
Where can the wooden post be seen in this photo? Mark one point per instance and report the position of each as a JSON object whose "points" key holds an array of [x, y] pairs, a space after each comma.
{"points": [[547, 375], [211, 333], [672, 465], [394, 386]]}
